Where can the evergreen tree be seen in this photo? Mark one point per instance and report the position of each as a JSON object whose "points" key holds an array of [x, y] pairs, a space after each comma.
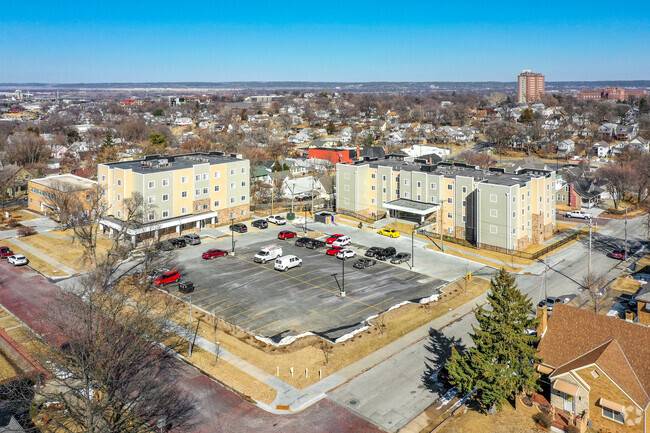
{"points": [[285, 167], [277, 166], [501, 363], [157, 140], [108, 140], [644, 107], [159, 112]]}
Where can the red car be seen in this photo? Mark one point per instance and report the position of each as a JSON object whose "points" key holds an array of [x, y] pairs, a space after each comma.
{"points": [[167, 278], [211, 254], [5, 252], [616, 254], [332, 251], [333, 238], [286, 234]]}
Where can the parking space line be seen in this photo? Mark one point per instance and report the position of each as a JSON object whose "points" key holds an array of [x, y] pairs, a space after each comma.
{"points": [[199, 291], [235, 315], [227, 308], [372, 306], [305, 290], [215, 303], [250, 320], [268, 324], [205, 297], [278, 333], [303, 281]]}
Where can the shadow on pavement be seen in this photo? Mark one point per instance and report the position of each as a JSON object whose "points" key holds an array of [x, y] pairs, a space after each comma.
{"points": [[439, 346]]}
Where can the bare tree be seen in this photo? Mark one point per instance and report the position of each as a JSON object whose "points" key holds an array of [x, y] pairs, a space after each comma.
{"points": [[28, 150], [619, 178], [596, 290], [327, 348]]}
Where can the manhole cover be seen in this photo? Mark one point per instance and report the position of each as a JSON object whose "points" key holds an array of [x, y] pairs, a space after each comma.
{"points": [[353, 402]]}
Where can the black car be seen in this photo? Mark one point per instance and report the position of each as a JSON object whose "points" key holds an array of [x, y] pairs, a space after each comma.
{"points": [[443, 377], [386, 253], [372, 251], [260, 224], [300, 242], [239, 228], [400, 258], [192, 239], [178, 242], [364, 263], [164, 246], [312, 244]]}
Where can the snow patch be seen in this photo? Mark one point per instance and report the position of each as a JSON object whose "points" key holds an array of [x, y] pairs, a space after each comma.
{"points": [[285, 341], [445, 399], [349, 335], [432, 298]]}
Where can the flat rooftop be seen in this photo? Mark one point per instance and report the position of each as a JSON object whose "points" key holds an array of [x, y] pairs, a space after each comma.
{"points": [[160, 163], [67, 182]]}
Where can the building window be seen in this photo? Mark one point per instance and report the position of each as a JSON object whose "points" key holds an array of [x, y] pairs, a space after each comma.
{"points": [[522, 228], [419, 197], [450, 215], [165, 213], [613, 415], [216, 203], [119, 182], [103, 178], [232, 200], [205, 190], [205, 176], [183, 210], [183, 179], [406, 182], [217, 174], [151, 200], [514, 199], [165, 197], [372, 200], [197, 207], [119, 214], [151, 184], [406, 194], [464, 203], [514, 214], [434, 199], [493, 213], [243, 212], [119, 197], [197, 191], [383, 190], [433, 186], [197, 177], [450, 200], [523, 211], [493, 230], [165, 182], [232, 185], [450, 229], [151, 216], [514, 231], [464, 189], [243, 171], [373, 188], [232, 171], [450, 186], [493, 198], [522, 198], [383, 178], [419, 184], [217, 188], [232, 215], [243, 198], [243, 183], [183, 194], [373, 176], [464, 218]]}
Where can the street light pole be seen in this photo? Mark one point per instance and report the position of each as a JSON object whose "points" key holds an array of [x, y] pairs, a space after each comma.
{"points": [[232, 234], [625, 249], [412, 249], [343, 277]]}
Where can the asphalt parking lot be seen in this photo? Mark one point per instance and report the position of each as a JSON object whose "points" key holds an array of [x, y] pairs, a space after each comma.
{"points": [[276, 304]]}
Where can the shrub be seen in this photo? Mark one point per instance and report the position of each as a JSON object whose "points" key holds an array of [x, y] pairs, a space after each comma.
{"points": [[26, 231], [543, 419], [572, 429], [11, 223]]}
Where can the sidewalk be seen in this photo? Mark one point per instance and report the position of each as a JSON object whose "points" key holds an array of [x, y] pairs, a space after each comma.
{"points": [[68, 270], [297, 399]]}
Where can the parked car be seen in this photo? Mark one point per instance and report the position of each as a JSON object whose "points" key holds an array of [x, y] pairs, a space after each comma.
{"points": [[213, 253], [5, 252], [178, 242], [260, 224], [164, 246], [285, 263], [618, 254], [300, 242], [550, 302], [312, 244], [400, 258], [443, 377], [192, 239], [372, 251], [268, 253], [345, 254], [166, 278], [628, 301], [364, 263], [277, 219], [578, 214], [391, 233], [286, 234], [239, 228], [342, 241], [332, 238], [17, 260], [386, 253], [332, 251]]}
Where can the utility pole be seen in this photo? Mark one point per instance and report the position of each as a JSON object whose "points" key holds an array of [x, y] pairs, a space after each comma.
{"points": [[232, 234], [412, 250], [589, 265], [545, 285], [343, 277], [190, 328], [272, 194], [625, 248]]}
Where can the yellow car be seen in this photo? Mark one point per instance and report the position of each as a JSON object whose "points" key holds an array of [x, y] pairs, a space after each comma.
{"points": [[391, 233]]}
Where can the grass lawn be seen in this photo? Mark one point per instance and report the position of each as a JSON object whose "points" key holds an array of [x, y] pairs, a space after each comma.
{"points": [[625, 284], [36, 263], [506, 421], [308, 353], [64, 250]]}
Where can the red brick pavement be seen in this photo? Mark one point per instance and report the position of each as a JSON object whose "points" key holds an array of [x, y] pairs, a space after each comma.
{"points": [[27, 295]]}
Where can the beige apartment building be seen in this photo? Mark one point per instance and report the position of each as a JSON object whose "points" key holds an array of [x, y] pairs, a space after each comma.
{"points": [[179, 192], [492, 208]]}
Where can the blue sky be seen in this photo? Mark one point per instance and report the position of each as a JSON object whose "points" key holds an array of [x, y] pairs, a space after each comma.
{"points": [[402, 40]]}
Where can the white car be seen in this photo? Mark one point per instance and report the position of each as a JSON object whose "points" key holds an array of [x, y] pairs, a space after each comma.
{"points": [[277, 219], [17, 260], [578, 214], [345, 254], [342, 241]]}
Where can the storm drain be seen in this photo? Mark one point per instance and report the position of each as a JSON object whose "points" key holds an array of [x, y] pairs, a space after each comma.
{"points": [[353, 402]]}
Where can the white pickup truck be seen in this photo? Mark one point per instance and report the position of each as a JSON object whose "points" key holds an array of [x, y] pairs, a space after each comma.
{"points": [[578, 214], [268, 253]]}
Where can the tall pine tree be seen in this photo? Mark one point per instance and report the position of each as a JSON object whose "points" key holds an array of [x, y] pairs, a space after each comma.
{"points": [[501, 363]]}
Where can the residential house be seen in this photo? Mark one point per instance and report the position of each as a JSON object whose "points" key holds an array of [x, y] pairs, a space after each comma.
{"points": [[581, 193], [59, 151], [596, 368], [566, 147], [14, 180], [301, 188], [601, 149]]}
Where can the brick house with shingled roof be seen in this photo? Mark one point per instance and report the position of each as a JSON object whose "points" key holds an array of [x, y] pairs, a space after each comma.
{"points": [[597, 367]]}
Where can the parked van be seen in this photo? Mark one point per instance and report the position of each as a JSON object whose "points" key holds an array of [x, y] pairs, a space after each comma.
{"points": [[287, 262], [268, 253]]}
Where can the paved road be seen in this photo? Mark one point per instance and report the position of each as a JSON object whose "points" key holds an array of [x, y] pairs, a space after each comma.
{"points": [[28, 295]]}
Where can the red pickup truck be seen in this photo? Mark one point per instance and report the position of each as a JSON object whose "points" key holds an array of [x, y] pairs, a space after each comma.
{"points": [[5, 252]]}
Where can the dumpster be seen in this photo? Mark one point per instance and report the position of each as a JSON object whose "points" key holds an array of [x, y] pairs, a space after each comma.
{"points": [[186, 287]]}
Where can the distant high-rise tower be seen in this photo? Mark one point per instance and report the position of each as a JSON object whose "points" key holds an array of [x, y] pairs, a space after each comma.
{"points": [[531, 87]]}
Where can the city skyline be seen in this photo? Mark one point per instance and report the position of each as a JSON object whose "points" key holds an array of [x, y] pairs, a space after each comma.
{"points": [[161, 42]]}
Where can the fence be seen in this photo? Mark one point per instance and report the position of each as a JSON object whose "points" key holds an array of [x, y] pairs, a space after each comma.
{"points": [[365, 219], [521, 254]]}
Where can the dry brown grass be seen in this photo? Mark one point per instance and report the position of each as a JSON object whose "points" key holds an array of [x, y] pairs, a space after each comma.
{"points": [[506, 421], [403, 228], [7, 370], [20, 214], [65, 250], [306, 353], [36, 263], [625, 284]]}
